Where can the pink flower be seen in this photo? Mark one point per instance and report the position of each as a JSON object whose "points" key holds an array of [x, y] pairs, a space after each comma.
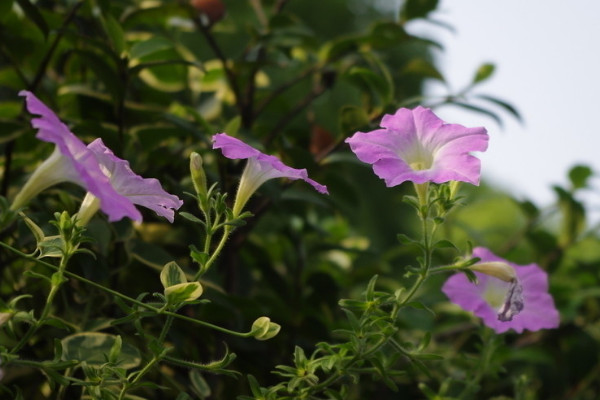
{"points": [[260, 168], [415, 145], [95, 168], [145, 192], [522, 304]]}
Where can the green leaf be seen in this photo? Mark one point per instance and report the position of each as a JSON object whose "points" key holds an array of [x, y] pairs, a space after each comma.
{"points": [[198, 256], [199, 384], [105, 71], [339, 47], [479, 110], [422, 68], [484, 72], [369, 81], [579, 176], [191, 217], [94, 348], [32, 12], [502, 104], [233, 126], [115, 33], [172, 275], [38, 234], [183, 292], [445, 244], [10, 109], [413, 9], [150, 46], [115, 350], [353, 118]]}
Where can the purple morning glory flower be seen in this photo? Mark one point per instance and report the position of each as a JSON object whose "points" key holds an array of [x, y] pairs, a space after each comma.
{"points": [[260, 168], [521, 304], [107, 178], [415, 145], [145, 192]]}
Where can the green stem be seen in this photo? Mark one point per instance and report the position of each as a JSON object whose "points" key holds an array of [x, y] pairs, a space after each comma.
{"points": [[488, 339], [127, 298], [215, 254], [165, 329], [138, 376], [55, 286]]}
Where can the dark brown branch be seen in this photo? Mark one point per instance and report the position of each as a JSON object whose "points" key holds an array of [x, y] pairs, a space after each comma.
{"points": [[231, 78]]}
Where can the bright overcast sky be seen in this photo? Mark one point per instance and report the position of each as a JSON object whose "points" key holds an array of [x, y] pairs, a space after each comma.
{"points": [[547, 56]]}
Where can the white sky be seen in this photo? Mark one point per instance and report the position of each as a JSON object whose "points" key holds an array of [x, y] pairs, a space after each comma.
{"points": [[547, 56]]}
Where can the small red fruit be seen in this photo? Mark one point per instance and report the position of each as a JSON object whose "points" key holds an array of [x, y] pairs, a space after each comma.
{"points": [[213, 9]]}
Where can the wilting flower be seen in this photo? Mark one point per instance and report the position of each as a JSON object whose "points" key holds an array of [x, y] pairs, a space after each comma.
{"points": [[415, 145], [260, 168], [501, 301], [110, 183]]}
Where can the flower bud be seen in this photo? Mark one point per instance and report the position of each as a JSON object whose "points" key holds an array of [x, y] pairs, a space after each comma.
{"points": [[5, 316], [264, 329], [497, 269], [198, 175]]}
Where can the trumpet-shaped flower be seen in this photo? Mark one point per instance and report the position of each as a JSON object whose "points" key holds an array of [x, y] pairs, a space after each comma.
{"points": [[260, 168], [503, 304], [145, 192], [415, 145], [110, 183]]}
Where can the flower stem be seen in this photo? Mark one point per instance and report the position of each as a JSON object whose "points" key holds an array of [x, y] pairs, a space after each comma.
{"points": [[57, 281], [127, 298], [215, 254]]}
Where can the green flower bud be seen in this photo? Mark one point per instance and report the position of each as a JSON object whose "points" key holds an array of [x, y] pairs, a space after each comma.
{"points": [[198, 175], [497, 269], [264, 329]]}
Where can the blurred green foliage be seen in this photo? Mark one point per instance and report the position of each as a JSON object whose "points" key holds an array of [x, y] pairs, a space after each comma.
{"points": [[156, 79]]}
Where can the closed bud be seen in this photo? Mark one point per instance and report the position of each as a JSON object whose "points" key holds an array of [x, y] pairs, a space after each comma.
{"points": [[264, 329], [198, 175], [497, 269]]}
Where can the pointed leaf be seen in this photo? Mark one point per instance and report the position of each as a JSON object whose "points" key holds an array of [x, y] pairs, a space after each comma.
{"points": [[484, 72], [172, 275], [183, 292]]}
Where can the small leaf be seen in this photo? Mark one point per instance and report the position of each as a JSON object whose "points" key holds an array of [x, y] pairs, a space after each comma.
{"points": [[353, 118], [413, 9], [115, 350], [484, 72], [579, 176], [233, 126], [94, 348], [198, 256], [502, 104], [199, 384], [115, 33], [423, 68], [32, 12], [38, 234], [150, 46], [445, 244], [171, 275], [480, 110], [183, 292]]}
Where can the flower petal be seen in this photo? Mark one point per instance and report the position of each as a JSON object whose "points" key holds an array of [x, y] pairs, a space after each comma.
{"points": [[270, 166], [415, 145], [86, 170], [538, 310], [146, 192]]}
